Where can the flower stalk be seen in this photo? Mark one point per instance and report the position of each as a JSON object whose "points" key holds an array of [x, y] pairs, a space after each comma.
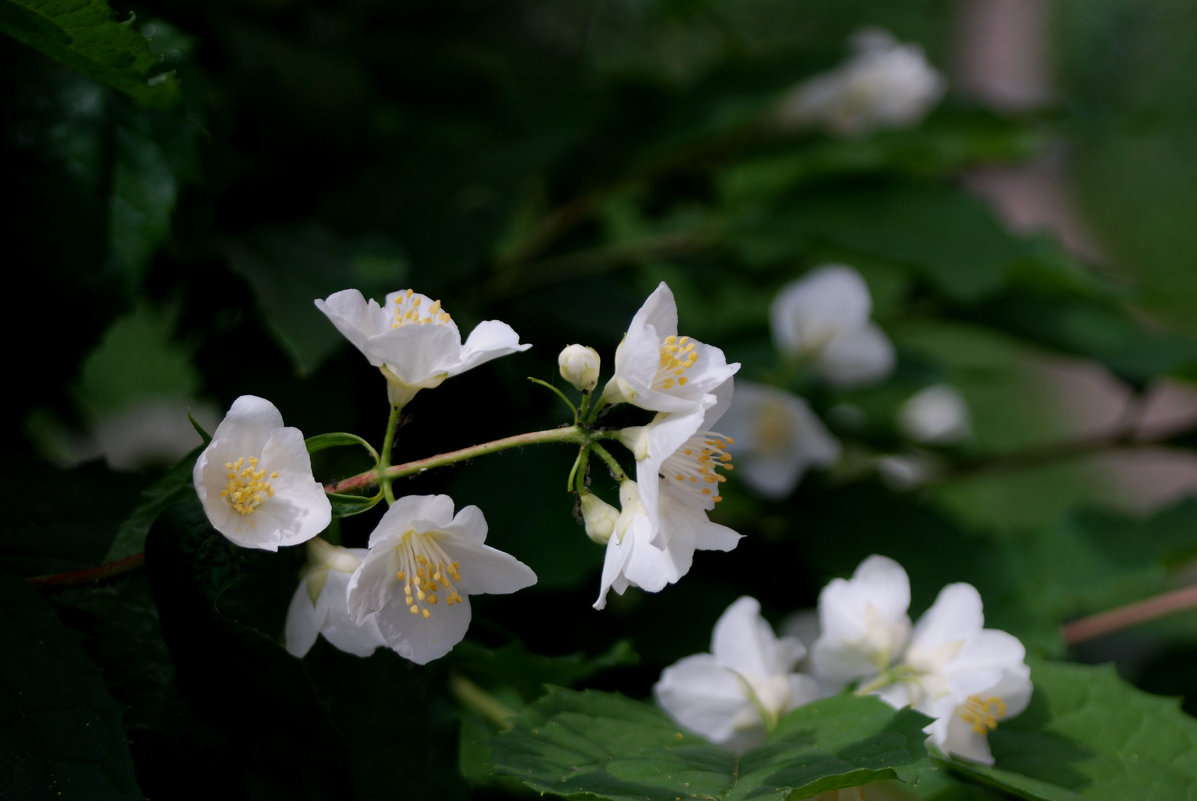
{"points": [[386, 473]]}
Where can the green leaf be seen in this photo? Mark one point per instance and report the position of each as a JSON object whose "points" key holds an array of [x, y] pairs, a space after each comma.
{"points": [[599, 744], [349, 505], [175, 486], [84, 35], [135, 360], [60, 731], [1089, 735], [290, 266], [337, 439]]}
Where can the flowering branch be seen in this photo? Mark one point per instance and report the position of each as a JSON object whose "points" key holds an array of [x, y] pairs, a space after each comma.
{"points": [[371, 477], [1088, 628]]}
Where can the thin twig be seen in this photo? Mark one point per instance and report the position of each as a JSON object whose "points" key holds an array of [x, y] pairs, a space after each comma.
{"points": [[1088, 628]]}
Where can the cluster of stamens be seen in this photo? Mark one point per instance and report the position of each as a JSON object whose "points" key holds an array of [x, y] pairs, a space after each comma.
{"points": [[426, 571], [983, 714], [247, 485], [692, 467], [408, 311], [677, 356]]}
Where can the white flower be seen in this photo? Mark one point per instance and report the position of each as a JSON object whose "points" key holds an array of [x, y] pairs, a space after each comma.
{"points": [[963, 730], [966, 676], [657, 370], [885, 84], [579, 365], [663, 514], [320, 604], [935, 415], [413, 340], [864, 622], [651, 552], [255, 480], [823, 317], [775, 437], [740, 689], [423, 563]]}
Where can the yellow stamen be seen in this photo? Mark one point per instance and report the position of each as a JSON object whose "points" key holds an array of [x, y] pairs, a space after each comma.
{"points": [[247, 486], [408, 311], [678, 355], [983, 714], [427, 572], [694, 465]]}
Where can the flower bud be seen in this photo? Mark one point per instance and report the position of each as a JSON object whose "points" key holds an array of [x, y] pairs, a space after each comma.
{"points": [[579, 366], [599, 516]]}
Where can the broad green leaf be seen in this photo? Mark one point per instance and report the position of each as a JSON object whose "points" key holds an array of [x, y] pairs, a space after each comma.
{"points": [[174, 486], [143, 192], [514, 665], [288, 267], [592, 744], [136, 360], [1089, 735], [85, 35], [60, 731]]}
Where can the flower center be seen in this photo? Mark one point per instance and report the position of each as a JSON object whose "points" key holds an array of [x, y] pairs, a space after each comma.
{"points": [[983, 714], [425, 570], [677, 356], [692, 467], [408, 311], [773, 432], [247, 485]]}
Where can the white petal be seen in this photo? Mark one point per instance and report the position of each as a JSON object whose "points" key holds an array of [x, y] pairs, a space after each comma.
{"points": [[955, 616], [356, 318], [705, 698], [248, 423], [339, 627], [416, 354], [857, 357], [373, 584], [811, 311], [303, 622], [423, 639], [490, 339], [485, 569], [435, 511], [744, 642]]}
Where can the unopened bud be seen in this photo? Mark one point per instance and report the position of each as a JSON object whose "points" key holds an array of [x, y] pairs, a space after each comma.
{"points": [[599, 516], [580, 366]]}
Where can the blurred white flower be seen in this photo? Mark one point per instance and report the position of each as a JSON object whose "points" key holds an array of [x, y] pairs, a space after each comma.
{"points": [[884, 84], [255, 479], [775, 437], [904, 472], [936, 415], [961, 729], [579, 365], [823, 318], [658, 370], [421, 554], [152, 432], [320, 604], [864, 623], [412, 340], [739, 690], [966, 676]]}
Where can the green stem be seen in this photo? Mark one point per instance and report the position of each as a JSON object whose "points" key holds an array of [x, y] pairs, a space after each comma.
{"points": [[474, 697], [384, 459], [391, 472], [612, 464]]}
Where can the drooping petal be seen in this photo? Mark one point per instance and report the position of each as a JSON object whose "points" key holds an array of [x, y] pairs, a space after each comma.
{"points": [[489, 569], [304, 622]]}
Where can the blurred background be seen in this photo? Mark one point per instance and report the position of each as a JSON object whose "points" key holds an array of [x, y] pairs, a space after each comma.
{"points": [[1027, 240]]}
